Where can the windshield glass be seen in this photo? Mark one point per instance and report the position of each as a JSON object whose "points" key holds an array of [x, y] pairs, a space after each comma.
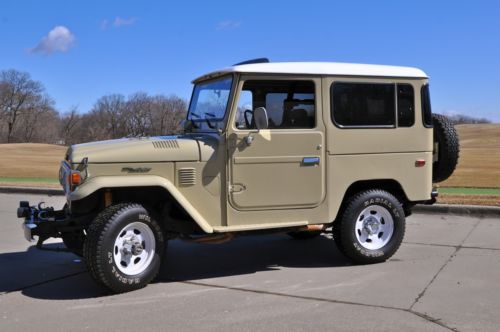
{"points": [[209, 103]]}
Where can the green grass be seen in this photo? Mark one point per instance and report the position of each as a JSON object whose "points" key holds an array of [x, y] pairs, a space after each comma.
{"points": [[470, 191], [28, 180]]}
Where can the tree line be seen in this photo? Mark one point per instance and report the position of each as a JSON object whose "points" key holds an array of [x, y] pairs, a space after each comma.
{"points": [[465, 119], [28, 114]]}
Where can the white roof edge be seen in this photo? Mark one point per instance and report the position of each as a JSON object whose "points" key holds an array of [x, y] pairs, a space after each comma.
{"points": [[320, 68]]}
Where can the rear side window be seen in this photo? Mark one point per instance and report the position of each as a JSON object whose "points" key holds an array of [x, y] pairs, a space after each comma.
{"points": [[426, 106], [363, 105], [406, 105]]}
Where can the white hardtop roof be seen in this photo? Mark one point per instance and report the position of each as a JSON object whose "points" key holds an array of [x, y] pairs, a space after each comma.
{"points": [[319, 68]]}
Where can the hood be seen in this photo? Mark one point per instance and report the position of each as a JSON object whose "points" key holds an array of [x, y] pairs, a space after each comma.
{"points": [[144, 149]]}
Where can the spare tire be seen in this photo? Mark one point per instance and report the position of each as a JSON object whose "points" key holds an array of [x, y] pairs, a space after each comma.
{"points": [[446, 148]]}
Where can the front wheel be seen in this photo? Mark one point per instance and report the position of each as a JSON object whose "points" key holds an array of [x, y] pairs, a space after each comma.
{"points": [[371, 228], [124, 247]]}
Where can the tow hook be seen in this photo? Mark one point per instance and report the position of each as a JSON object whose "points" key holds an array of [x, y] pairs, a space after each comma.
{"points": [[40, 221]]}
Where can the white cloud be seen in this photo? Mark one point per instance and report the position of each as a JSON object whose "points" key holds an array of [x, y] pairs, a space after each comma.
{"points": [[120, 22], [228, 25], [59, 39]]}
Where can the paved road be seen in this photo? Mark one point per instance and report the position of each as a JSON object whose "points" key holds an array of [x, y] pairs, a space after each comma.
{"points": [[444, 277]]}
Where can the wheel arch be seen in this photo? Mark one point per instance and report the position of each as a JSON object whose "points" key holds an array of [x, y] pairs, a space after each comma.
{"points": [[390, 185], [93, 186]]}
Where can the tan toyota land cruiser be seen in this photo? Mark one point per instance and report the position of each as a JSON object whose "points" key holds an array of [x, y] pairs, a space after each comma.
{"points": [[296, 148]]}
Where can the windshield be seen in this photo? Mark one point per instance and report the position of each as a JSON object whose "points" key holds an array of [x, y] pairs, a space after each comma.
{"points": [[209, 103]]}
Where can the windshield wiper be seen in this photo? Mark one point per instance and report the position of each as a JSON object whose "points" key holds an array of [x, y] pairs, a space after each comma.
{"points": [[209, 124], [192, 121]]}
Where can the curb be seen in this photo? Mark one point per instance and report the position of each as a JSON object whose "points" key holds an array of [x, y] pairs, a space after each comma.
{"points": [[31, 190], [461, 210]]}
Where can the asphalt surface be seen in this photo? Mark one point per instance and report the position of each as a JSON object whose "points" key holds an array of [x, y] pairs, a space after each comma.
{"points": [[444, 277]]}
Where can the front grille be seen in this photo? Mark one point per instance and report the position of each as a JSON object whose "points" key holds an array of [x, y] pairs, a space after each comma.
{"points": [[187, 176]]}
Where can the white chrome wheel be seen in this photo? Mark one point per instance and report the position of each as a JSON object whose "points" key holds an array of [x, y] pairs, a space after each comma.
{"points": [[374, 227], [134, 248]]}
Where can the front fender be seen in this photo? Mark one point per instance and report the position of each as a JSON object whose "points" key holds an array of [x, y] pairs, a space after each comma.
{"points": [[100, 182]]}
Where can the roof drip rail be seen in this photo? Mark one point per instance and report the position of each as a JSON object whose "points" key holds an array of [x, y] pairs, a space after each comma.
{"points": [[258, 60]]}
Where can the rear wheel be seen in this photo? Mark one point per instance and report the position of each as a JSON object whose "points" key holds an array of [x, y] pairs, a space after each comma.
{"points": [[371, 228], [124, 247]]}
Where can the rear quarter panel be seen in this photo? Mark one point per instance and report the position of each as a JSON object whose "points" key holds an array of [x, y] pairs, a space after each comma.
{"points": [[357, 154]]}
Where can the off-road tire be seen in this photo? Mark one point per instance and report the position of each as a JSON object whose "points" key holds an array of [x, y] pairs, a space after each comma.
{"points": [[74, 242], [298, 235], [446, 139], [344, 229], [99, 246]]}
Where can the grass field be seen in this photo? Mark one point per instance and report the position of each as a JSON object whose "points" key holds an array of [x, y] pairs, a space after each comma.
{"points": [[475, 181], [477, 177], [34, 165], [479, 163]]}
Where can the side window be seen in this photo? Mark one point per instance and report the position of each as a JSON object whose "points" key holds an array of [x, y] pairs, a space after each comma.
{"points": [[426, 106], [406, 105], [289, 104], [363, 104]]}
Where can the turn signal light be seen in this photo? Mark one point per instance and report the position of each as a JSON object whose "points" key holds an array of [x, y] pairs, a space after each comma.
{"points": [[76, 178]]}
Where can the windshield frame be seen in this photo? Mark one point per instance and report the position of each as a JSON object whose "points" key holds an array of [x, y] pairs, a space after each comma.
{"points": [[200, 124]]}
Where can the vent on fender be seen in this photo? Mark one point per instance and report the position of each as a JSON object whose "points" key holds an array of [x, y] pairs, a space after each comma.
{"points": [[187, 176], [166, 144]]}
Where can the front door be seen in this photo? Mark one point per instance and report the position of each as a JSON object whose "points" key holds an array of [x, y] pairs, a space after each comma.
{"points": [[281, 167]]}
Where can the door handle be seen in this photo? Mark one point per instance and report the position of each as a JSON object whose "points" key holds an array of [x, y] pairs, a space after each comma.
{"points": [[310, 161]]}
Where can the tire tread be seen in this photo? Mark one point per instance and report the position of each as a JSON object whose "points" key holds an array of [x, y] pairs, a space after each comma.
{"points": [[449, 148]]}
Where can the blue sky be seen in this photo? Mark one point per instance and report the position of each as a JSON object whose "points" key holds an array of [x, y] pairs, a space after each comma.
{"points": [[82, 50]]}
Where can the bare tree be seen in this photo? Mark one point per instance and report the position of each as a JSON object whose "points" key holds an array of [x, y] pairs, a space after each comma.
{"points": [[137, 114], [40, 108], [109, 110], [167, 113], [69, 121], [18, 94]]}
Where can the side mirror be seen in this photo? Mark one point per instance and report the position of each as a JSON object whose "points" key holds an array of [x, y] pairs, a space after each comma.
{"points": [[260, 118]]}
